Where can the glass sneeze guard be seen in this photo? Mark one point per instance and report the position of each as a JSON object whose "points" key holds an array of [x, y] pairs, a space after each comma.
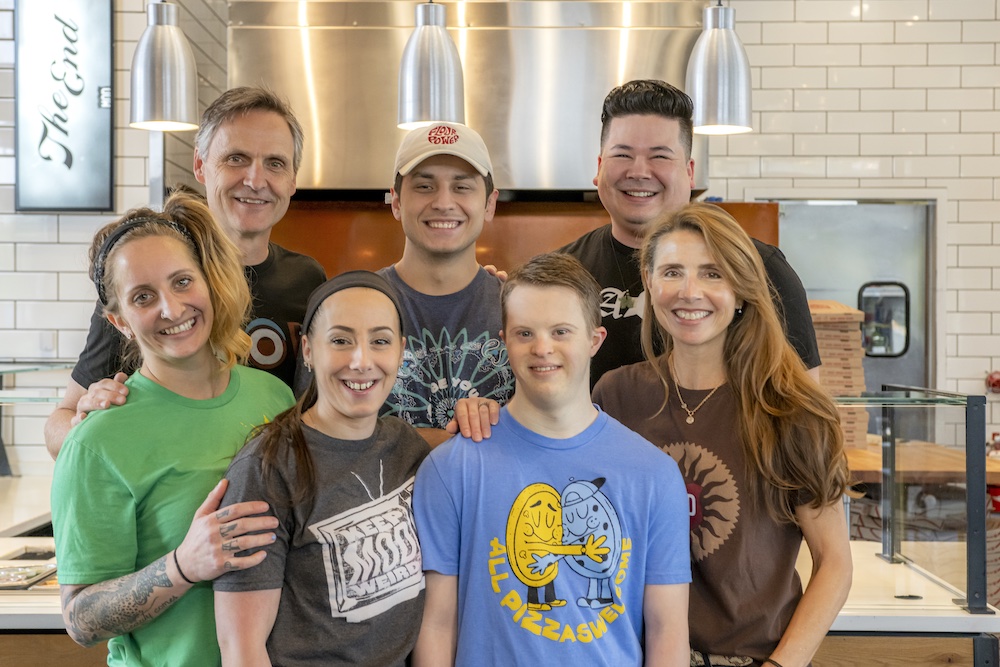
{"points": [[926, 461]]}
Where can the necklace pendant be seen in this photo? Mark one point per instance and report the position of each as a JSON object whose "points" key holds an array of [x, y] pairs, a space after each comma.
{"points": [[690, 419], [627, 301]]}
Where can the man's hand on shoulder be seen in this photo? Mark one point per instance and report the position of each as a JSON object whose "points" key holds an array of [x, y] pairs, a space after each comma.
{"points": [[75, 405], [494, 271], [101, 395], [474, 417]]}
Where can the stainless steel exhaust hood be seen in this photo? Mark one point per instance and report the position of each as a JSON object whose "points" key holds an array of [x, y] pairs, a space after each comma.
{"points": [[536, 73]]}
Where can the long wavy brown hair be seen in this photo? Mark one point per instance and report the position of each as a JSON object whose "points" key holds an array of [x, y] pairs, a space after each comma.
{"points": [[789, 426]]}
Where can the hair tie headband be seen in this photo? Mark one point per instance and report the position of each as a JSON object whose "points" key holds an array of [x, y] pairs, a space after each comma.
{"points": [[346, 281], [115, 236]]}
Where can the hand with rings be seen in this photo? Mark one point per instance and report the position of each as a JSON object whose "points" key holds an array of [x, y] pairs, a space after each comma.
{"points": [[474, 417], [216, 536]]}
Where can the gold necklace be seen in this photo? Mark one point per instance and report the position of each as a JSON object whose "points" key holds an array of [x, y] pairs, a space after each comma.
{"points": [[677, 388]]}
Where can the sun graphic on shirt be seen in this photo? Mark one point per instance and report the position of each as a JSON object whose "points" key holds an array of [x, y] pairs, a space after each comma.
{"points": [[438, 370], [713, 496]]}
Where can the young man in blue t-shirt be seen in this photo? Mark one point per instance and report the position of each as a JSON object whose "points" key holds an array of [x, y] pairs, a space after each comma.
{"points": [[565, 537]]}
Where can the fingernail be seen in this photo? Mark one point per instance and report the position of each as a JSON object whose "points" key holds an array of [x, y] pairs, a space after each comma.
{"points": [[273, 537]]}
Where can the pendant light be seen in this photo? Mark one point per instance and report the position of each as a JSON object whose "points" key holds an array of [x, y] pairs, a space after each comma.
{"points": [[164, 76], [718, 76], [431, 86]]}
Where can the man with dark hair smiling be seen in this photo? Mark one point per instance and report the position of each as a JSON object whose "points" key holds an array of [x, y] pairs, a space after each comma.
{"points": [[443, 195], [645, 171]]}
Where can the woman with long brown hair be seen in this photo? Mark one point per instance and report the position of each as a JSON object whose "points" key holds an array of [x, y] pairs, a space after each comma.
{"points": [[757, 440], [343, 582], [136, 536]]}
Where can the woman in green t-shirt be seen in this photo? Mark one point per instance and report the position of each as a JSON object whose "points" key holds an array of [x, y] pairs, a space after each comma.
{"points": [[137, 539]]}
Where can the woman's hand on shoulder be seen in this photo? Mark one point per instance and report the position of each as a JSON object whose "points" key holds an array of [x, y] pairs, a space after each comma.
{"points": [[217, 535]]}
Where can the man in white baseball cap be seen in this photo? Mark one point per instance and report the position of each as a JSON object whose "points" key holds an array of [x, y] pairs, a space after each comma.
{"points": [[443, 195]]}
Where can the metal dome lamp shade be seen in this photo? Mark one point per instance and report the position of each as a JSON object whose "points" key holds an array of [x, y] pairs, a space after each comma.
{"points": [[431, 86], [164, 76], [718, 76]]}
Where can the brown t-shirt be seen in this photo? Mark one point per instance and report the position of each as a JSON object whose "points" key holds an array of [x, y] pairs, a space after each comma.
{"points": [[744, 585]]}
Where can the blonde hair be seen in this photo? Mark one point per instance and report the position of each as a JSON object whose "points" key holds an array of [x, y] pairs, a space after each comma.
{"points": [[187, 219], [788, 425]]}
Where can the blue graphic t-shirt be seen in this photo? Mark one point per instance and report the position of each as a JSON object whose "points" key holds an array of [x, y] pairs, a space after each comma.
{"points": [[453, 351], [552, 541]]}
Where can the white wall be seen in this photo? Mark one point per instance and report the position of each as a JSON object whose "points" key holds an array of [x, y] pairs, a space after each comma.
{"points": [[45, 295], [886, 94]]}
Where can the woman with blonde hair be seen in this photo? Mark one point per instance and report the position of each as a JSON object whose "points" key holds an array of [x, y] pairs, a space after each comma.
{"points": [[137, 538], [757, 440]]}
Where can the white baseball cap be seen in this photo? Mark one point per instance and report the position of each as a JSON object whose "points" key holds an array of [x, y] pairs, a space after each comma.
{"points": [[443, 139]]}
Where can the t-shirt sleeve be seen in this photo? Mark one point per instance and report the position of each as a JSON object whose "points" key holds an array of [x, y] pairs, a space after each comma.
{"points": [[605, 394], [101, 356], [246, 482], [438, 520], [319, 273], [93, 518], [669, 555], [793, 306]]}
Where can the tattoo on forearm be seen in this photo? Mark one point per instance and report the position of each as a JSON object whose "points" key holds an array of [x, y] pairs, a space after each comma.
{"points": [[226, 529], [118, 606]]}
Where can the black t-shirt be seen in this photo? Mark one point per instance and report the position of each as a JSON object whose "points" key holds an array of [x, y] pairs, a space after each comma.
{"points": [[280, 287], [615, 266]]}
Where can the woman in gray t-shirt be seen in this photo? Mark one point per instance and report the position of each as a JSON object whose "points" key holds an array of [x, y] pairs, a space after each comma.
{"points": [[343, 581]]}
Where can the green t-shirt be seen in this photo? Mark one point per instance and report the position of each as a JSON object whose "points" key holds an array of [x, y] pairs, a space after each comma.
{"points": [[127, 484]]}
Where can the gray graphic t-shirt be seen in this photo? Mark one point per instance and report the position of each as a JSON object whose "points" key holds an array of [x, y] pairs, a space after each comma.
{"points": [[348, 564], [453, 351]]}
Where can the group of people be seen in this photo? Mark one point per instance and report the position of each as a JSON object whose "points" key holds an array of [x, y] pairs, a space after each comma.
{"points": [[640, 448]]}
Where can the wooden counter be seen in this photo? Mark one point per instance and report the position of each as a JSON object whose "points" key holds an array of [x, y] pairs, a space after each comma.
{"points": [[916, 462]]}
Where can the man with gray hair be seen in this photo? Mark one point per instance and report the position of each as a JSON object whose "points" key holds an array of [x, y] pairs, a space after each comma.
{"points": [[247, 153]]}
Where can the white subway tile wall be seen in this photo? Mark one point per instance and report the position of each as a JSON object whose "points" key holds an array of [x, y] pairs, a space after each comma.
{"points": [[918, 108], [46, 298]]}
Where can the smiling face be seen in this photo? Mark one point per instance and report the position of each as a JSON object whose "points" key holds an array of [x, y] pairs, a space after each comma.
{"points": [[355, 347], [691, 297], [442, 205], [534, 526], [248, 173], [643, 172], [163, 301], [549, 344]]}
